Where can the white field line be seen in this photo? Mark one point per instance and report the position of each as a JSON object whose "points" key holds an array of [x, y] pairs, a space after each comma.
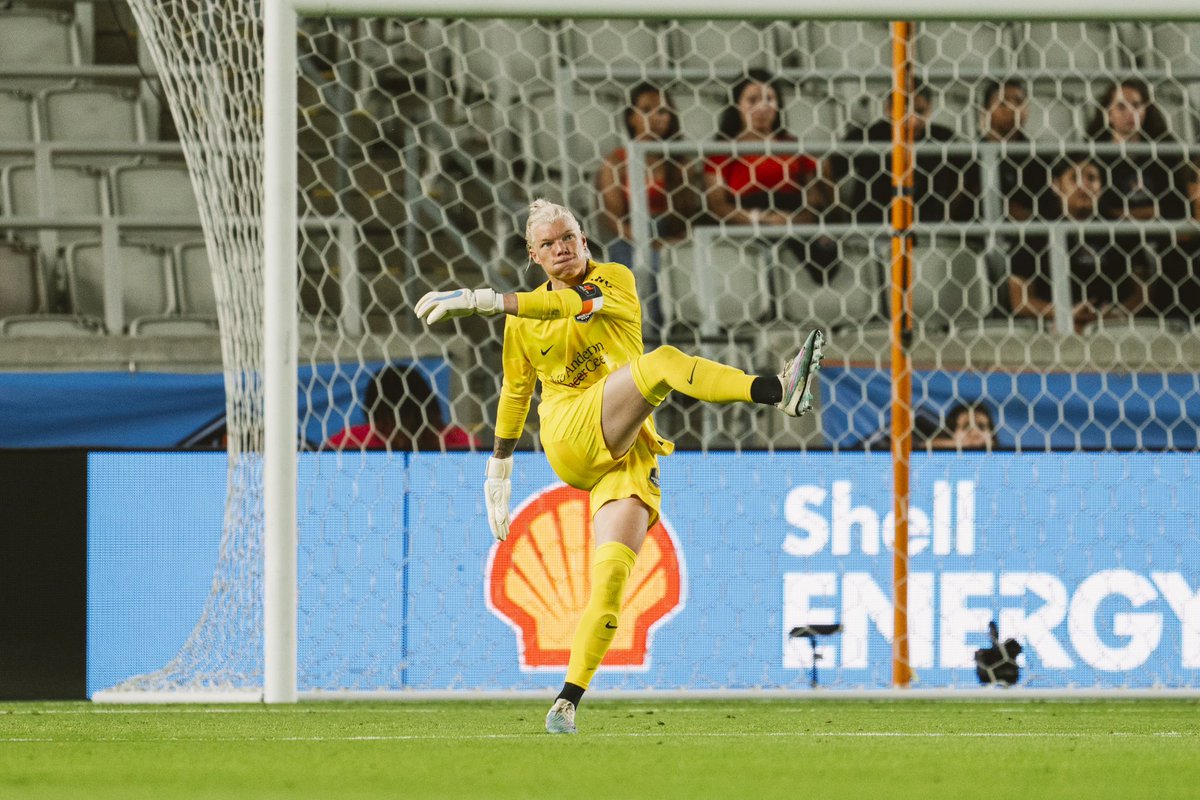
{"points": [[1116, 705], [254, 709], [649, 735]]}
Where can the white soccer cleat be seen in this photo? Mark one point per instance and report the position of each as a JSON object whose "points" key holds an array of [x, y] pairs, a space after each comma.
{"points": [[797, 376], [561, 718]]}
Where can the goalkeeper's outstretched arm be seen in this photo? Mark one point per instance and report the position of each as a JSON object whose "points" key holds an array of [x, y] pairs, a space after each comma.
{"points": [[449, 304]]}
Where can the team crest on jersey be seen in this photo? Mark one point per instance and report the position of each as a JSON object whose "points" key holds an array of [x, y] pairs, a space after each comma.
{"points": [[539, 580], [593, 300]]}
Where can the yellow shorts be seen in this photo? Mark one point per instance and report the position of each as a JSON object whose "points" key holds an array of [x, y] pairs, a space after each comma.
{"points": [[574, 444]]}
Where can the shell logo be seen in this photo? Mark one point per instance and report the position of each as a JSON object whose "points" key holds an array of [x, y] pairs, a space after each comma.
{"points": [[539, 580]]}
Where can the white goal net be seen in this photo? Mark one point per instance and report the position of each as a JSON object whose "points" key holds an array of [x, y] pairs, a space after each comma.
{"points": [[742, 170]]}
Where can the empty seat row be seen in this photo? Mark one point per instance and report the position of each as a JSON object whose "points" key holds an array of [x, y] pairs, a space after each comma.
{"points": [[501, 58], [38, 37], [722, 284], [161, 290], [81, 114], [158, 194]]}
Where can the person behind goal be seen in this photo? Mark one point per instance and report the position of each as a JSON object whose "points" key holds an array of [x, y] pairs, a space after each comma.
{"points": [[580, 334]]}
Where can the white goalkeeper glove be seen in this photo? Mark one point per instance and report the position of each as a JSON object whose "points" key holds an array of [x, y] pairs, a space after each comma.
{"points": [[459, 303], [497, 490]]}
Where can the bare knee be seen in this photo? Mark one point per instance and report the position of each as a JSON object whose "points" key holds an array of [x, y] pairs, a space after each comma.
{"points": [[624, 520]]}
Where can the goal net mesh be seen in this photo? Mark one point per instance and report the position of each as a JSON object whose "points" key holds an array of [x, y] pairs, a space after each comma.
{"points": [[1054, 293]]}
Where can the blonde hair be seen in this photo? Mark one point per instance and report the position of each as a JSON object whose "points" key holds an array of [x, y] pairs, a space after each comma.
{"points": [[541, 212]]}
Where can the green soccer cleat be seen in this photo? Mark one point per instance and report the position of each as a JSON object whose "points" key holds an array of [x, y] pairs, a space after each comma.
{"points": [[561, 718], [797, 375]]}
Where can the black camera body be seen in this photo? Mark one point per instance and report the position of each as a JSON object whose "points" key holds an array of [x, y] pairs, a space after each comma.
{"points": [[998, 663]]}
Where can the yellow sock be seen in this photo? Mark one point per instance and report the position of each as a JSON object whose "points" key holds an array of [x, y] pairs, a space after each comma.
{"points": [[611, 566], [668, 369]]}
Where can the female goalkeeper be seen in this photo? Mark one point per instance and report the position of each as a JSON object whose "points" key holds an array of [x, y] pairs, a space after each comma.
{"points": [[580, 334]]}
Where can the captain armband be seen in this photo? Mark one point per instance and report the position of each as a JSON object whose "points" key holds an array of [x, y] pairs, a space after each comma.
{"points": [[593, 300]]}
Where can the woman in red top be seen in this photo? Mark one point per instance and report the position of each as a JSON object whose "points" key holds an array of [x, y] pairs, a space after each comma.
{"points": [[764, 188], [671, 200]]}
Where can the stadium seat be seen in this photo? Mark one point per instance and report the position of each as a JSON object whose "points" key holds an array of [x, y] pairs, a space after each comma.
{"points": [[91, 115], [964, 46], [173, 326], [25, 302], [24, 288], [792, 44], [1175, 46], [498, 63], [33, 37], [721, 45], [320, 289], [401, 43], [862, 99], [160, 191], [719, 287], [17, 124], [614, 44], [851, 47], [592, 119], [1082, 48], [147, 291], [505, 59], [949, 284], [1178, 106], [48, 325], [949, 287], [850, 294], [72, 191], [195, 280]]}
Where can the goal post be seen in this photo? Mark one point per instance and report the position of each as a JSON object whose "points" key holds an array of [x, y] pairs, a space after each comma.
{"points": [[280, 353], [349, 236]]}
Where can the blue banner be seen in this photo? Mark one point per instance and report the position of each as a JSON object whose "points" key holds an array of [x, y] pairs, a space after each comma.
{"points": [[1032, 411], [1091, 561], [150, 410]]}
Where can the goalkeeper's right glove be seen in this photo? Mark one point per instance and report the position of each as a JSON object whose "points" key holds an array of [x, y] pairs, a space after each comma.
{"points": [[459, 303], [497, 490]]}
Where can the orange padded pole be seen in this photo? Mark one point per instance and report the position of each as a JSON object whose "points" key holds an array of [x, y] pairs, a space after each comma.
{"points": [[901, 308]]}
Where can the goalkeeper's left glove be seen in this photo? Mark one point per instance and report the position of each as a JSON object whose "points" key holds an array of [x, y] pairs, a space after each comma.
{"points": [[459, 303], [497, 491]]}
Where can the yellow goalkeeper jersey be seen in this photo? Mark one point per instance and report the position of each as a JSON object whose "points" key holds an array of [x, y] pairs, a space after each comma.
{"points": [[569, 339]]}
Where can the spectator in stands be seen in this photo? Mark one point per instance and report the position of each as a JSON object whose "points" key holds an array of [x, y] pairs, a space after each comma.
{"points": [[941, 184], [1145, 186], [403, 413], [776, 188], [1020, 176], [1107, 277], [969, 426], [671, 195], [1137, 186]]}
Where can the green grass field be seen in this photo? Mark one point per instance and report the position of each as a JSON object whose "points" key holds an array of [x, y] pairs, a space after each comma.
{"points": [[653, 749]]}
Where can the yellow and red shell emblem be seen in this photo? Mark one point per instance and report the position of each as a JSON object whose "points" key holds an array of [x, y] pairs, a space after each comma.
{"points": [[539, 580]]}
